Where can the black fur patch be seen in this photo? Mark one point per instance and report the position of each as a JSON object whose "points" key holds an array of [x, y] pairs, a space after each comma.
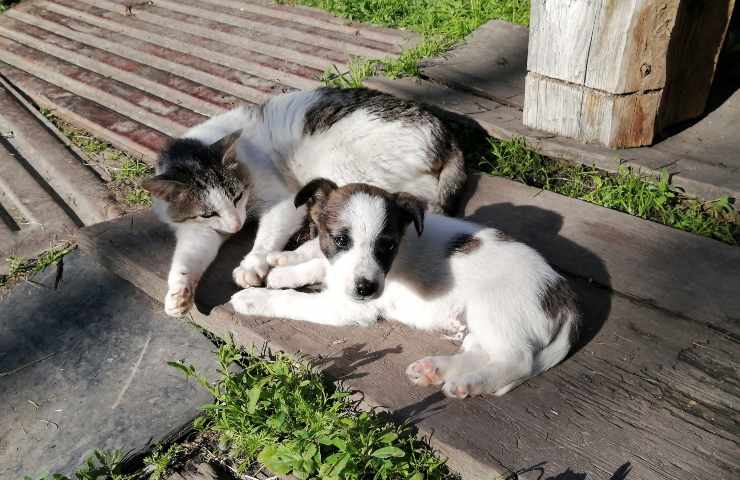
{"points": [[558, 301], [463, 244], [335, 104]]}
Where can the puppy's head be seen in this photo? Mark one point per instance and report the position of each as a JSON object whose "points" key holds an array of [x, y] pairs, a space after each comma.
{"points": [[359, 228]]}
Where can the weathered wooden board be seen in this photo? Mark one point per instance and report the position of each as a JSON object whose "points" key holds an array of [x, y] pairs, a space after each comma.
{"points": [[619, 73], [648, 391]]}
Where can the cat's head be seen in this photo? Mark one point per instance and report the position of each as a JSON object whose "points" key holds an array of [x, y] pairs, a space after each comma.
{"points": [[201, 184]]}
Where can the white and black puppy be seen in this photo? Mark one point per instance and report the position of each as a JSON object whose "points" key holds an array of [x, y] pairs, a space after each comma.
{"points": [[515, 315], [251, 161]]}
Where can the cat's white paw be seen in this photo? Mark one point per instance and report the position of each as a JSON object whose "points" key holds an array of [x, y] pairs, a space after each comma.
{"points": [[252, 301], [252, 271], [178, 301], [425, 372]]}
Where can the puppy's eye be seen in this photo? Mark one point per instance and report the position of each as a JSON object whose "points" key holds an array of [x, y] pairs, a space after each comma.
{"points": [[238, 197], [341, 241], [386, 245], [210, 215]]}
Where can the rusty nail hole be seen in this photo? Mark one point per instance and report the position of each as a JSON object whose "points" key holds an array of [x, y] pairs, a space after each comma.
{"points": [[645, 69]]}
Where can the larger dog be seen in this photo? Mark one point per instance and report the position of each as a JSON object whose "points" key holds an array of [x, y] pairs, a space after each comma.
{"points": [[252, 160]]}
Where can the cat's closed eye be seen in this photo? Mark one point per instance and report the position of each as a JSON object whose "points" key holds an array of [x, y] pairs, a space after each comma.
{"points": [[238, 197], [210, 215]]}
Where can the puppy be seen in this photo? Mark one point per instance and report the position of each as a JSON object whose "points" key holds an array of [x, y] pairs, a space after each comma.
{"points": [[516, 316]]}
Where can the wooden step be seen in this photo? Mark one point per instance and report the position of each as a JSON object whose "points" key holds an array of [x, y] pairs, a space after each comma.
{"points": [[649, 391]]}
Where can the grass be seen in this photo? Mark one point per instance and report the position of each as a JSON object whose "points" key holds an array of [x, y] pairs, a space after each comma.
{"points": [[20, 268], [284, 415], [441, 23], [628, 190], [123, 172]]}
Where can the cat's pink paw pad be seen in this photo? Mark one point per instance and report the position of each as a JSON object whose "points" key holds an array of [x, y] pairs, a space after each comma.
{"points": [[424, 373]]}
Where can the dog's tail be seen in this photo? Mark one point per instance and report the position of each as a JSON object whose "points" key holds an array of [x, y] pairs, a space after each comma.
{"points": [[452, 179], [569, 319]]}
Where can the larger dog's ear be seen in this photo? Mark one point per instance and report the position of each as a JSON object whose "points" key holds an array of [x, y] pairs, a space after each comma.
{"points": [[414, 207], [164, 187], [314, 191]]}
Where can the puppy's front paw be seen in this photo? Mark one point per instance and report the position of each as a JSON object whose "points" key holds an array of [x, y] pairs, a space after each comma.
{"points": [[282, 277], [424, 372], [252, 301], [283, 259], [251, 271], [178, 301]]}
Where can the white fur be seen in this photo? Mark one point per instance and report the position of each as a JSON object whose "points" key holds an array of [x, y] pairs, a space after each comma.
{"points": [[280, 159], [490, 298]]}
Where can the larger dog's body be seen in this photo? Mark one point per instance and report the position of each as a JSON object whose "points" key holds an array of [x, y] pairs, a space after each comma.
{"points": [[515, 315], [208, 183]]}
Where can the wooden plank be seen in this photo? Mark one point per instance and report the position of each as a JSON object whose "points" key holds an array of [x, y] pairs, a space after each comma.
{"points": [[243, 39], [145, 37], [648, 390]]}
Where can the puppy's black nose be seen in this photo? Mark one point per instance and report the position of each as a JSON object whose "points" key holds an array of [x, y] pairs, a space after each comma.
{"points": [[365, 287]]}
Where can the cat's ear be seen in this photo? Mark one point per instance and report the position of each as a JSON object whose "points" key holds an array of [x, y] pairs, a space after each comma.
{"points": [[165, 188], [225, 148], [314, 191]]}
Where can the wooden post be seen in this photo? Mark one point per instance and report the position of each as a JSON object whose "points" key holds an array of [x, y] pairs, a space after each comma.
{"points": [[619, 72]]}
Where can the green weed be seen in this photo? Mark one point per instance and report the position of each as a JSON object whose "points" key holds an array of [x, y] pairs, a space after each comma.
{"points": [[100, 465], [289, 418], [159, 461], [20, 267], [627, 190], [124, 171]]}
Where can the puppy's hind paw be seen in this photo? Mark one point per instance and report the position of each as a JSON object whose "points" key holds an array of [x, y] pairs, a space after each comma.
{"points": [[424, 372], [462, 387]]}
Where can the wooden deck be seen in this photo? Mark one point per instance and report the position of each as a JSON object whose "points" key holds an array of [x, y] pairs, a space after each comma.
{"points": [[652, 392], [136, 73]]}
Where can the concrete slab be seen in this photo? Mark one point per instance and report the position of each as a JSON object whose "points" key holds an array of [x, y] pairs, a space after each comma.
{"points": [[650, 390], [84, 367]]}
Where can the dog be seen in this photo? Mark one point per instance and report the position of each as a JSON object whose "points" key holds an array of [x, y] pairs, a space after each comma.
{"points": [[249, 163], [379, 255]]}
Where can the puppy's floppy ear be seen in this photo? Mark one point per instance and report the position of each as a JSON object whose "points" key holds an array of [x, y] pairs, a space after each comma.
{"points": [[414, 208], [164, 187], [225, 148], [315, 190]]}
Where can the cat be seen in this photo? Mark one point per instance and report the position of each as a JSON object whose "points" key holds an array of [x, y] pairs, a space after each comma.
{"points": [[250, 162]]}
